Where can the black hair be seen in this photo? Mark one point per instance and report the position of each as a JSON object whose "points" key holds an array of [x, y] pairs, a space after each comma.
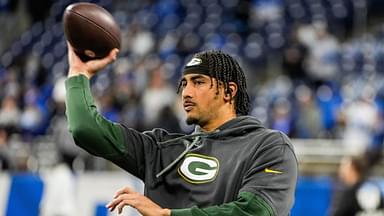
{"points": [[225, 68]]}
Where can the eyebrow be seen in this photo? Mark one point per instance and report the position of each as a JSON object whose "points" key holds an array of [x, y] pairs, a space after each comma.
{"points": [[194, 77]]}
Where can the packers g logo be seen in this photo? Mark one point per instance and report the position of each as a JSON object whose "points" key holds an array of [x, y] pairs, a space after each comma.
{"points": [[199, 169]]}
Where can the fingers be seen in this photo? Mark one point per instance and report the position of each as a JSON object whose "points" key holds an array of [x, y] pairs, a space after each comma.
{"points": [[117, 201], [113, 54], [128, 197], [122, 204], [98, 64], [121, 198], [123, 190], [112, 205], [122, 201]]}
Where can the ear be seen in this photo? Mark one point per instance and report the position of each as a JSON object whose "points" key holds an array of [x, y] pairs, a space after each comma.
{"points": [[232, 91]]}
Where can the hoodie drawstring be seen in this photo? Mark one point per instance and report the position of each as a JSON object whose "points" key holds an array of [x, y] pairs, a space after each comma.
{"points": [[197, 136], [187, 149]]}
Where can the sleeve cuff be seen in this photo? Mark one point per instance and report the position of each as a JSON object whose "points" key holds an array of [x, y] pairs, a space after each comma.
{"points": [[77, 81], [181, 212]]}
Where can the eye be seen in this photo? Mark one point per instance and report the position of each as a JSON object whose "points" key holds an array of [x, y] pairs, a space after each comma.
{"points": [[199, 82], [183, 84]]}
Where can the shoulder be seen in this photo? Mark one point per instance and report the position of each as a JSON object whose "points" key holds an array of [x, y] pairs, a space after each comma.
{"points": [[268, 139], [269, 136]]}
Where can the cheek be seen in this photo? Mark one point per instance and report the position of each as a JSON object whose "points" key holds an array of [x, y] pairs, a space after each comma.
{"points": [[208, 98]]}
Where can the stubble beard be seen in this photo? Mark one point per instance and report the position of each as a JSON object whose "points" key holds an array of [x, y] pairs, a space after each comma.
{"points": [[196, 120], [191, 121]]}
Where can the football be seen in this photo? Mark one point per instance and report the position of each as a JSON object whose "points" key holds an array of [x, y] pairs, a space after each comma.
{"points": [[91, 30]]}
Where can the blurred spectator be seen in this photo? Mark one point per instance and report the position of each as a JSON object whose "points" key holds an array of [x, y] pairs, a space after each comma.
{"points": [[294, 57], [360, 117], [168, 120], [108, 108], [4, 151], [374, 152], [266, 10], [13, 21], [30, 118], [158, 95], [329, 101], [322, 48], [9, 113], [354, 194], [11, 86], [281, 118], [21, 157], [308, 116], [141, 41], [128, 101], [351, 175]]}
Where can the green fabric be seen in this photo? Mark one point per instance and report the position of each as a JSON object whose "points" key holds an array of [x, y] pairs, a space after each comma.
{"points": [[247, 204], [87, 125]]}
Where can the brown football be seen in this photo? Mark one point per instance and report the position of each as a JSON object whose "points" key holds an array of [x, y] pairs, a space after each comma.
{"points": [[91, 30]]}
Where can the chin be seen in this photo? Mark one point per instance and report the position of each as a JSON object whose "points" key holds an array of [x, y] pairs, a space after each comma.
{"points": [[191, 120]]}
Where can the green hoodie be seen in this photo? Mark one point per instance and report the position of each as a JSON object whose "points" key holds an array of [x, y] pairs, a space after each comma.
{"points": [[242, 168]]}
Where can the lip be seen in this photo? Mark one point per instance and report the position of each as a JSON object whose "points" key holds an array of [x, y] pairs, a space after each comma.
{"points": [[188, 106]]}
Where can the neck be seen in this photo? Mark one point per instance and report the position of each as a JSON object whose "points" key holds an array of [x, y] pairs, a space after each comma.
{"points": [[218, 121]]}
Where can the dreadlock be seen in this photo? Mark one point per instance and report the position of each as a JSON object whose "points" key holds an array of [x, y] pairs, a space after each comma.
{"points": [[225, 68]]}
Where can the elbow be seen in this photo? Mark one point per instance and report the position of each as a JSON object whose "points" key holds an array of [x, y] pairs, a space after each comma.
{"points": [[81, 135], [84, 139]]}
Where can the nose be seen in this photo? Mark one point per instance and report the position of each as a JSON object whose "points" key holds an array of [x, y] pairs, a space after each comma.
{"points": [[187, 91]]}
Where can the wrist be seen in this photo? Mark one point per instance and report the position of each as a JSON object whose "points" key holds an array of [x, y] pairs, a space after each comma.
{"points": [[76, 72], [166, 212]]}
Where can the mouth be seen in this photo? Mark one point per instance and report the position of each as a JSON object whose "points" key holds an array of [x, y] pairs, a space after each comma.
{"points": [[188, 106]]}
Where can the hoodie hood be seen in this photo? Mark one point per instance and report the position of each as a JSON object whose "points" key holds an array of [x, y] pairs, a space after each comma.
{"points": [[234, 127], [237, 126]]}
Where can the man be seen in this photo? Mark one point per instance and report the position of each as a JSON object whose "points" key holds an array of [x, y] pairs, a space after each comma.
{"points": [[348, 198], [230, 165]]}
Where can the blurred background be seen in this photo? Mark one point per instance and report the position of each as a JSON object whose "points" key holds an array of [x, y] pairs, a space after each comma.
{"points": [[315, 70]]}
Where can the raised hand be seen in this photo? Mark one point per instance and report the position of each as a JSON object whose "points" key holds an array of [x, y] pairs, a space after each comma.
{"points": [[89, 68]]}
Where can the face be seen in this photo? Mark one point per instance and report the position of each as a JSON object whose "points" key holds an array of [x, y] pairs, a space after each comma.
{"points": [[347, 171], [200, 98]]}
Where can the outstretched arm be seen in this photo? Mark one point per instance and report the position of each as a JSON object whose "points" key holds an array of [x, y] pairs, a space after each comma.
{"points": [[90, 130]]}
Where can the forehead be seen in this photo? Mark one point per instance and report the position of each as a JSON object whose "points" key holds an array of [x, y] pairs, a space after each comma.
{"points": [[193, 76]]}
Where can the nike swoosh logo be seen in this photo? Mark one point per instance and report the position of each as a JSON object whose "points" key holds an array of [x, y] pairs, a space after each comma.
{"points": [[272, 171]]}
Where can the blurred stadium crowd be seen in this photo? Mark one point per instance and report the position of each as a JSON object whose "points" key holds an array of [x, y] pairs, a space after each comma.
{"points": [[314, 67]]}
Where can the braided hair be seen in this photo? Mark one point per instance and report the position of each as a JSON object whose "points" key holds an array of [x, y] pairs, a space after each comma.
{"points": [[225, 68]]}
